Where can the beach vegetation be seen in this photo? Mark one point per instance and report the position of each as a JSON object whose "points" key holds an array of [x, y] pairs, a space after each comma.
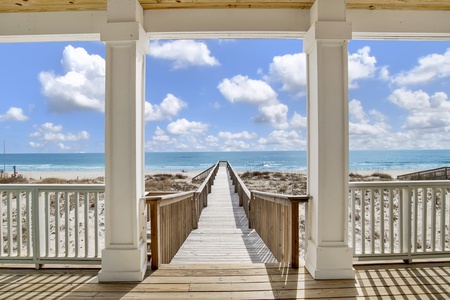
{"points": [[14, 180], [382, 176], [376, 176], [169, 182]]}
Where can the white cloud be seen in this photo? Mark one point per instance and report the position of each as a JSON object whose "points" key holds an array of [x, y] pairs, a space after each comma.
{"points": [[298, 121], [51, 134], [410, 100], [427, 113], [234, 145], [275, 114], [215, 105], [13, 114], [283, 140], [212, 141], [82, 87], [183, 126], [360, 66], [238, 135], [356, 111], [429, 68], [384, 73], [243, 89], [367, 131], [290, 70], [169, 108], [183, 53]]}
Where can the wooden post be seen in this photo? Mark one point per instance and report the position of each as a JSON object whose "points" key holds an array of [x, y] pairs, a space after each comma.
{"points": [[195, 210], [155, 234], [295, 245]]}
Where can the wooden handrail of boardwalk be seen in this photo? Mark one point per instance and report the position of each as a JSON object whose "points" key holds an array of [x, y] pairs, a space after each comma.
{"points": [[276, 218], [223, 235]]}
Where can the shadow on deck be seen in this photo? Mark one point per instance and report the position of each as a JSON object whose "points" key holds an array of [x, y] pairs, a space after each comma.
{"points": [[232, 281]]}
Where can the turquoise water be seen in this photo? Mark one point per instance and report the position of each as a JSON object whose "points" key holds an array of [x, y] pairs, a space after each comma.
{"points": [[258, 160]]}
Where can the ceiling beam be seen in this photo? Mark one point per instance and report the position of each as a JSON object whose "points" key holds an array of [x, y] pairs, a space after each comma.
{"points": [[224, 23], [51, 26]]}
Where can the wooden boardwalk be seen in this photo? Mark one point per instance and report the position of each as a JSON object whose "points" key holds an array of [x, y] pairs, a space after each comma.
{"points": [[223, 235]]}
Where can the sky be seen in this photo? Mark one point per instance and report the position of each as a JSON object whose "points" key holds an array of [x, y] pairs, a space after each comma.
{"points": [[223, 95]]}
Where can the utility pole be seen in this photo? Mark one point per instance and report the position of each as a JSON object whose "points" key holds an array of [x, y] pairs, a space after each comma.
{"points": [[4, 156]]}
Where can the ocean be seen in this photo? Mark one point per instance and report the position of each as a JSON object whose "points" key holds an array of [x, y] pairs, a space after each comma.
{"points": [[241, 161]]}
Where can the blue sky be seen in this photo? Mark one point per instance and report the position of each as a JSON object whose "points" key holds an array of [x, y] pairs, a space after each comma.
{"points": [[223, 95]]}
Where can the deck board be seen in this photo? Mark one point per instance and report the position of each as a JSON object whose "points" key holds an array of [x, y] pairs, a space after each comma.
{"points": [[223, 236], [232, 281]]}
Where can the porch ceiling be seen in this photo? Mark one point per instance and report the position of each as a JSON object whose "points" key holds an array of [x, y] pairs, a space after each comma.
{"points": [[98, 5]]}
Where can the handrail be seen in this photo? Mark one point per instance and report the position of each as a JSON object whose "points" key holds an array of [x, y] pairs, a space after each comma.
{"points": [[442, 173], [204, 174], [241, 190], [276, 219], [171, 221], [201, 194]]}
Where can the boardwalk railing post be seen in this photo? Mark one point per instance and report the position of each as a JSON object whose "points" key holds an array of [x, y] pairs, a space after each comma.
{"points": [[196, 210], [250, 211], [406, 221], [155, 234], [295, 261]]}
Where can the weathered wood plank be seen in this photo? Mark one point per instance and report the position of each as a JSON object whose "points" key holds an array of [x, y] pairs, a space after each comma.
{"points": [[233, 281]]}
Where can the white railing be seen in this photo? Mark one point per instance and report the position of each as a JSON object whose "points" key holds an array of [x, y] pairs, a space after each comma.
{"points": [[399, 219], [44, 224], [64, 224]]}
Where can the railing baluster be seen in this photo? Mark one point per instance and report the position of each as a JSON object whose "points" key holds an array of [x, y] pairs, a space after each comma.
{"points": [[66, 225], [47, 227], [86, 224], [372, 221], [77, 223], [443, 214], [424, 218], [433, 220], [19, 222], [9, 221], [96, 233], [363, 221], [57, 208], [416, 218], [28, 220], [391, 221]]}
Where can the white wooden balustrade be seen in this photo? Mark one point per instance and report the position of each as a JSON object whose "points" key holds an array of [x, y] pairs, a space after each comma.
{"points": [[64, 224], [51, 224], [399, 220]]}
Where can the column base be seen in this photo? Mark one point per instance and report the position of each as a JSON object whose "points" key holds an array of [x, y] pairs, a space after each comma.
{"points": [[330, 262], [123, 264]]}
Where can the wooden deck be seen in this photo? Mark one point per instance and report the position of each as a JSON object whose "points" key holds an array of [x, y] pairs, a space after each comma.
{"points": [[232, 281], [223, 235]]}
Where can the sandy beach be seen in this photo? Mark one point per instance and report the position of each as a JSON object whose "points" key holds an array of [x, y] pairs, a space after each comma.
{"points": [[189, 174], [90, 175]]}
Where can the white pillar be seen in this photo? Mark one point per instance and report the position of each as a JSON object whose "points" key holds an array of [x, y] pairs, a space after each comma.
{"points": [[125, 255], [328, 255]]}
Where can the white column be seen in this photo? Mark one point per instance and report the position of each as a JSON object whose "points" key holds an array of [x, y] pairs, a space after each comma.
{"points": [[125, 255], [328, 255]]}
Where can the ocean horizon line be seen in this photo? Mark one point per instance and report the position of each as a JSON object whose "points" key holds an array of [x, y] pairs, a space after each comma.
{"points": [[240, 160]]}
